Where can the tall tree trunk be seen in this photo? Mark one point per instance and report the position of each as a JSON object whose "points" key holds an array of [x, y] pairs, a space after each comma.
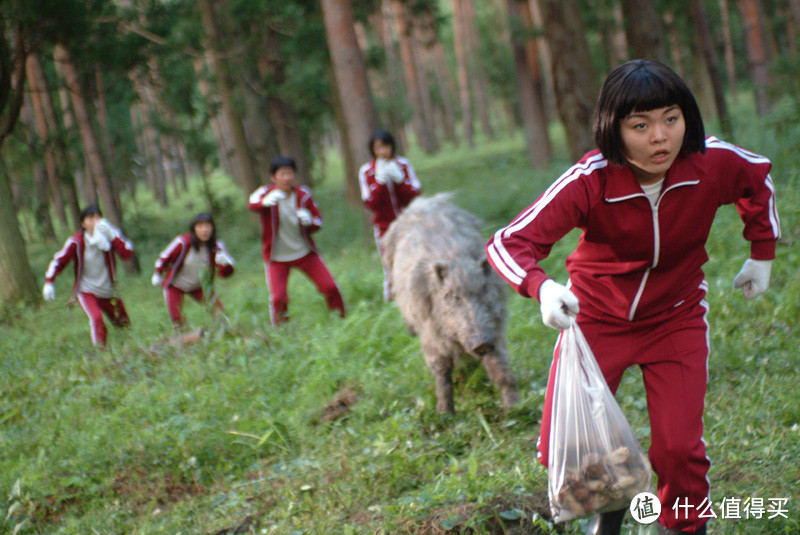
{"points": [[245, 171], [573, 74], [479, 80], [530, 86], [709, 54], [414, 85], [727, 39], [756, 53], [84, 179], [40, 204], [284, 120], [55, 140], [33, 68], [223, 144], [395, 77], [91, 149], [644, 30], [350, 77], [460, 44], [17, 282], [543, 46]]}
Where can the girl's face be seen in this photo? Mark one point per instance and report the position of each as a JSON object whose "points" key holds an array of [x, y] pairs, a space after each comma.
{"points": [[204, 230], [652, 140], [382, 150], [284, 178], [89, 222]]}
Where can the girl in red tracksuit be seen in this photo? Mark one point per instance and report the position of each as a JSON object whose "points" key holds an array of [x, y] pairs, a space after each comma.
{"points": [[289, 215], [388, 184], [645, 202], [92, 248], [189, 261]]}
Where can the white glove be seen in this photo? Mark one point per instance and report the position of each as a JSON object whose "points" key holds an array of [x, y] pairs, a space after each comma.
{"points": [[98, 239], [156, 280], [381, 176], [221, 259], [104, 229], [272, 198], [753, 279], [394, 171], [304, 216], [559, 306], [49, 291]]}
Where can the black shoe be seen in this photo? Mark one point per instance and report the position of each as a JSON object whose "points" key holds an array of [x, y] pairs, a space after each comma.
{"points": [[606, 523]]}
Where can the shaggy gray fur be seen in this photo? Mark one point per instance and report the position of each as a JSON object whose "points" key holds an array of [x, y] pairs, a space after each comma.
{"points": [[448, 293]]}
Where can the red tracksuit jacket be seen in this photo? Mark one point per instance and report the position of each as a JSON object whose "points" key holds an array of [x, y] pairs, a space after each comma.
{"points": [[270, 219], [386, 201], [73, 250], [634, 261], [171, 259]]}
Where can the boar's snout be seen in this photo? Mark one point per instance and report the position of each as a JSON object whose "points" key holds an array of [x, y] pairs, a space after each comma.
{"points": [[484, 348]]}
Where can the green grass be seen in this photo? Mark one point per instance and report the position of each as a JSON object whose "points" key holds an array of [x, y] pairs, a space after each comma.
{"points": [[226, 436]]}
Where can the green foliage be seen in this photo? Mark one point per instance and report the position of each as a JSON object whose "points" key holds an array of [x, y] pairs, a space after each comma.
{"points": [[230, 435]]}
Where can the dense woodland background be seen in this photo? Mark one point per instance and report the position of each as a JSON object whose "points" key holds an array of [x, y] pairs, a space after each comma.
{"points": [[157, 110], [104, 99]]}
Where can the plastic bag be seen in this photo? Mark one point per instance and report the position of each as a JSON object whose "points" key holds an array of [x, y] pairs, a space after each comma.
{"points": [[595, 462]]}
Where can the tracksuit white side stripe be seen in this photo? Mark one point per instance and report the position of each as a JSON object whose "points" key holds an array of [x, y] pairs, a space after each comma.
{"points": [[773, 210], [92, 326], [754, 158], [57, 258], [500, 256]]}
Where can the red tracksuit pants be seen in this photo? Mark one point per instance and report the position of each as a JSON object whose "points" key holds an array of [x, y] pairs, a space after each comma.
{"points": [[672, 352], [315, 269], [95, 307], [174, 299]]}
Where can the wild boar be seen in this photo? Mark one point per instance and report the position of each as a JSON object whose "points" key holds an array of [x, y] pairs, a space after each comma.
{"points": [[448, 293]]}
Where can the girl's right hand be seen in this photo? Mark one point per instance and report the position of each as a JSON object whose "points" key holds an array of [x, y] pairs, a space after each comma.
{"points": [[559, 306]]}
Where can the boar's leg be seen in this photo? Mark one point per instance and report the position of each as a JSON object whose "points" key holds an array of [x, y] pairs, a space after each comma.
{"points": [[442, 368], [499, 373]]}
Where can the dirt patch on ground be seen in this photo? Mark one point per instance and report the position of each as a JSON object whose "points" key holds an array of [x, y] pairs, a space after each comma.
{"points": [[340, 405], [140, 489]]}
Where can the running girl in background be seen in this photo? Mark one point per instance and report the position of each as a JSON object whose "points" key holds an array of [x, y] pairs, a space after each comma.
{"points": [[188, 266], [92, 248], [289, 215], [388, 184], [645, 201]]}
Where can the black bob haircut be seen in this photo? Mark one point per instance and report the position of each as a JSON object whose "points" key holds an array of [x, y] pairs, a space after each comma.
{"points": [[202, 217], [383, 136], [282, 161], [92, 209], [643, 85]]}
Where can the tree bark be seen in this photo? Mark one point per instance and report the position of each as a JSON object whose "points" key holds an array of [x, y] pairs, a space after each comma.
{"points": [[223, 144], [529, 83], [478, 79], [756, 53], [350, 77], [462, 67], [41, 186], [90, 146], [423, 128], [573, 74], [17, 282], [33, 69], [56, 142], [644, 30], [245, 171], [709, 53], [284, 120]]}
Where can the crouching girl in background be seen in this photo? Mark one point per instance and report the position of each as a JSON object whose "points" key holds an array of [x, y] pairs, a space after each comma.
{"points": [[188, 266]]}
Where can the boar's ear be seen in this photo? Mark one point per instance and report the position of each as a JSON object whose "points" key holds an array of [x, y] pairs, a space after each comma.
{"points": [[442, 270]]}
